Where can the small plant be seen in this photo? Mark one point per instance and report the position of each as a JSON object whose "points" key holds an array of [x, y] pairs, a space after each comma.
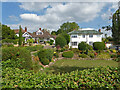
{"points": [[56, 54], [83, 55], [68, 54]]}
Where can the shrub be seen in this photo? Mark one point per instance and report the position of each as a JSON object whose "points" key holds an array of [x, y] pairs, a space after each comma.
{"points": [[116, 59], [56, 54], [104, 56], [62, 49], [14, 41], [44, 61], [114, 51], [113, 55], [60, 40], [66, 36], [51, 42], [91, 55], [99, 45], [34, 48], [13, 53], [44, 54], [83, 55], [84, 46], [75, 50], [68, 54]]}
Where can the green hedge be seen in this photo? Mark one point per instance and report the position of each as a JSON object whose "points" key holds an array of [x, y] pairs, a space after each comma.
{"points": [[99, 45], [83, 55], [34, 48], [68, 54], [101, 77], [14, 41], [13, 53], [45, 56]]}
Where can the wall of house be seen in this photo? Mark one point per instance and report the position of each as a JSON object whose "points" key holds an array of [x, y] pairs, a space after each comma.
{"points": [[38, 32], [87, 39]]}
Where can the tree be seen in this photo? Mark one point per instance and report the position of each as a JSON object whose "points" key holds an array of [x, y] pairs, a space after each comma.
{"points": [[115, 27], [83, 46], [7, 33], [68, 27], [66, 36], [20, 36], [60, 40]]}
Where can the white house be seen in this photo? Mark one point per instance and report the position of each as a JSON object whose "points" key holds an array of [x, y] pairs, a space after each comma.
{"points": [[84, 35], [41, 35]]}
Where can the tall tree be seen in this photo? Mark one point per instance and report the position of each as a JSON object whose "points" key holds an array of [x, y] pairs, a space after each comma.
{"points": [[68, 27], [20, 36], [115, 27]]}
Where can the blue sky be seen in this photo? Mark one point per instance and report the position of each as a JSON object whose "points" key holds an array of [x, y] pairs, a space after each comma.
{"points": [[51, 15]]}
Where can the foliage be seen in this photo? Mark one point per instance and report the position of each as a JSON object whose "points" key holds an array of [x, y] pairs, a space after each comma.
{"points": [[66, 36], [100, 77], [17, 53], [20, 36], [60, 40], [14, 41], [34, 48], [67, 27], [75, 50], [7, 33], [99, 45], [84, 46], [45, 55], [30, 41], [56, 54], [83, 55], [68, 54], [103, 55]]}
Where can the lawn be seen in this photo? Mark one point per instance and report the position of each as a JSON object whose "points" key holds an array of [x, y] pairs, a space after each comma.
{"points": [[69, 65]]}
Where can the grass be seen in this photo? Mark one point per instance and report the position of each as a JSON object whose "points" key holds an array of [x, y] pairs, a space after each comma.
{"points": [[69, 65]]}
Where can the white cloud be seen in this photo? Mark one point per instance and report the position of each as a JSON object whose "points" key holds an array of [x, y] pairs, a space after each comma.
{"points": [[13, 18], [59, 13]]}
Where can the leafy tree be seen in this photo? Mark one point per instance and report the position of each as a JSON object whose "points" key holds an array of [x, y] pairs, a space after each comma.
{"points": [[68, 27], [20, 36], [7, 33], [66, 36], [53, 33], [60, 40], [115, 27]]}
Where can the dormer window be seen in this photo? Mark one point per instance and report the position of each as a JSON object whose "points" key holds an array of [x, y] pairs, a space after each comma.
{"points": [[39, 33]]}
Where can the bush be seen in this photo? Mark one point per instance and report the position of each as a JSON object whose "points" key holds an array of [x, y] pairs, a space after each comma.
{"points": [[34, 48], [104, 56], [83, 55], [56, 54], [13, 53], [44, 54], [99, 45], [91, 55], [68, 54], [116, 59], [75, 50], [14, 41], [84, 46], [44, 61], [60, 40], [113, 55], [66, 36]]}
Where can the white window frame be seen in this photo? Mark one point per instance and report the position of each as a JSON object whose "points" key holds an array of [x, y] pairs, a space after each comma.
{"points": [[90, 36], [74, 36], [74, 43], [83, 36]]}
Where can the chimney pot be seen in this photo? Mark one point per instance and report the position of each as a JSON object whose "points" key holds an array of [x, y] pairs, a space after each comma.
{"points": [[99, 30], [39, 28], [25, 29]]}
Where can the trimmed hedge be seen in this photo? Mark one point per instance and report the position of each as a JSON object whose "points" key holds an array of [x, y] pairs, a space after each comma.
{"points": [[99, 45], [60, 40], [13, 53], [45, 56], [83, 55], [68, 54]]}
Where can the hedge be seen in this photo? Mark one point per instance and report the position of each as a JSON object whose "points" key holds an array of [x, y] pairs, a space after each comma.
{"points": [[45, 55], [34, 48], [14, 41], [13, 53], [68, 54], [99, 45]]}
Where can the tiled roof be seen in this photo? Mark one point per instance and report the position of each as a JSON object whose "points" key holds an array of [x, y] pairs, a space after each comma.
{"points": [[17, 31], [85, 32]]}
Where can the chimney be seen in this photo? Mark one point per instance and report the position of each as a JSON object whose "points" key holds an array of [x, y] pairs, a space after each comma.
{"points": [[25, 29], [99, 30], [39, 28]]}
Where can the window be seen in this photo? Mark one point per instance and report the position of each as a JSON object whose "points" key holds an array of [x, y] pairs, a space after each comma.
{"points": [[74, 43], [39, 33], [74, 36], [83, 36], [90, 36], [90, 43]]}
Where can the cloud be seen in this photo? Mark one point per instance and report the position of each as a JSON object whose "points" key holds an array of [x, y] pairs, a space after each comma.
{"points": [[58, 13], [13, 18]]}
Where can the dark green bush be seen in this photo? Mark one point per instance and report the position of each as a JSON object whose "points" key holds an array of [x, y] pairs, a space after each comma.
{"points": [[83, 55], [60, 40], [113, 55], [91, 55], [44, 54], [44, 61], [56, 55], [68, 54], [99, 45], [84, 46], [13, 53]]}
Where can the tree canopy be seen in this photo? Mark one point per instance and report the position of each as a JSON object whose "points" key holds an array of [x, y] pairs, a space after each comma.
{"points": [[7, 32], [66, 27]]}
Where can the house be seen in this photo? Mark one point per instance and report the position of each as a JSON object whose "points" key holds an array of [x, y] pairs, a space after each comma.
{"points": [[38, 36], [84, 35]]}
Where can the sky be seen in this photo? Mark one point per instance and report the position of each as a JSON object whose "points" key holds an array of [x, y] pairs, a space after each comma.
{"points": [[50, 15]]}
